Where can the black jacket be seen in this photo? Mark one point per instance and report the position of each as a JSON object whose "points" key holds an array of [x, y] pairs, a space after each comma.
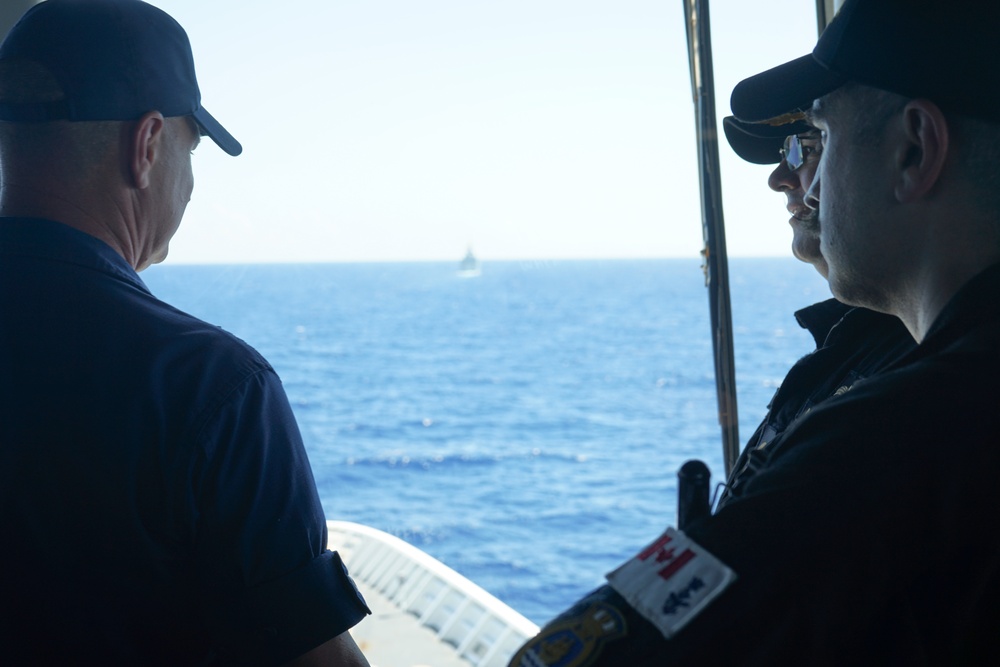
{"points": [[867, 537]]}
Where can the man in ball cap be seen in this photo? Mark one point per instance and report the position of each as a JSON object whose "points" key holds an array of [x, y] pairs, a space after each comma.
{"points": [[865, 535], [794, 150], [851, 343], [872, 60], [156, 500]]}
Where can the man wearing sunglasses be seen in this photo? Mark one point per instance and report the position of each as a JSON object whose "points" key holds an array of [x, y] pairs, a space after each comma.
{"points": [[869, 537], [851, 343]]}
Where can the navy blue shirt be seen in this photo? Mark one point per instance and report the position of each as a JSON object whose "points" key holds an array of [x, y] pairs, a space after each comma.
{"points": [[156, 501]]}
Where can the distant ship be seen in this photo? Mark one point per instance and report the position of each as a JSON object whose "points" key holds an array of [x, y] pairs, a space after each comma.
{"points": [[469, 266]]}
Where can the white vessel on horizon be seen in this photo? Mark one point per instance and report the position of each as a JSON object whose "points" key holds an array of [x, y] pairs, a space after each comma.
{"points": [[469, 266]]}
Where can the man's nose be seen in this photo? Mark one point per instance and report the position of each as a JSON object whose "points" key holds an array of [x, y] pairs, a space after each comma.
{"points": [[783, 179]]}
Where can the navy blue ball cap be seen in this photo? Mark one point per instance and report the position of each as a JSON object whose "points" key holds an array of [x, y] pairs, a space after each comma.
{"points": [[941, 51], [114, 59], [760, 143], [781, 90]]}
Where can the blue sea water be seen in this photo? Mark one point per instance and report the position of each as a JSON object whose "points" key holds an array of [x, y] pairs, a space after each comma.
{"points": [[525, 426]]}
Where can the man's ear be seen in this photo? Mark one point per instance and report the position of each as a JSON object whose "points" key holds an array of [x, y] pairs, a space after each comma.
{"points": [[922, 156], [145, 143]]}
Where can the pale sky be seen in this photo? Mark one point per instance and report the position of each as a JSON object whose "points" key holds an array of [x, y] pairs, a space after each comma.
{"points": [[407, 129]]}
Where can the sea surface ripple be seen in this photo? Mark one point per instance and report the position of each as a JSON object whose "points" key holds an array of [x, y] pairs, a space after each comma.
{"points": [[524, 426]]}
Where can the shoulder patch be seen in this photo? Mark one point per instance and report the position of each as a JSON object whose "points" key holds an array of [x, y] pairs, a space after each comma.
{"points": [[671, 581], [573, 640]]}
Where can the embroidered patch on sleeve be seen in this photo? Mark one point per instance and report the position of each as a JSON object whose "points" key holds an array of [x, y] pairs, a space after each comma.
{"points": [[671, 581], [574, 640]]}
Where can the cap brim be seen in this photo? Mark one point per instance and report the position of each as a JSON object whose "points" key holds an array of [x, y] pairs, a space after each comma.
{"points": [[783, 89], [759, 143], [219, 135]]}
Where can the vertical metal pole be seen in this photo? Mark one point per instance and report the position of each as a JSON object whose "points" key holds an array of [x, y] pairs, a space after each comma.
{"points": [[713, 225], [825, 11]]}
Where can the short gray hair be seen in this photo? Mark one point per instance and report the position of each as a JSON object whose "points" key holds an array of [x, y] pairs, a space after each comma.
{"points": [[978, 145], [866, 109], [975, 142], [75, 145]]}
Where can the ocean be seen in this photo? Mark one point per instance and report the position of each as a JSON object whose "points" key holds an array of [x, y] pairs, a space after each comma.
{"points": [[525, 426]]}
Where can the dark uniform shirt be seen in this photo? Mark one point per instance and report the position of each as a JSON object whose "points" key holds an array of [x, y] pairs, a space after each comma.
{"points": [[869, 538], [851, 344], [156, 502]]}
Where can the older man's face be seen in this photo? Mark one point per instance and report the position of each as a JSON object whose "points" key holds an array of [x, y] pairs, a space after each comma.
{"points": [[174, 183], [794, 183]]}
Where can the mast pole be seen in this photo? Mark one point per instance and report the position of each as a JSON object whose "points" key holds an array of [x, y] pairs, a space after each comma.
{"points": [[716, 266]]}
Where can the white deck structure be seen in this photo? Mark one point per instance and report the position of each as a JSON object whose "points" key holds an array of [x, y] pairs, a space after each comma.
{"points": [[424, 613]]}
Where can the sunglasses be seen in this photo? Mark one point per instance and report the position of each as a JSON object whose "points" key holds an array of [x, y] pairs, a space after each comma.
{"points": [[801, 148]]}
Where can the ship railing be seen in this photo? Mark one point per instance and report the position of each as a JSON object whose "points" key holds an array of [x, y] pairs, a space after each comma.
{"points": [[482, 629]]}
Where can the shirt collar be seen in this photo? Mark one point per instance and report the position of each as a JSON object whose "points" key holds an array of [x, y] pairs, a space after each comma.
{"points": [[54, 241], [820, 318]]}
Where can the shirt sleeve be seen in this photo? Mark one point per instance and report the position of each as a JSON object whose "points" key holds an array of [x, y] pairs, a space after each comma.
{"points": [[862, 541], [272, 589]]}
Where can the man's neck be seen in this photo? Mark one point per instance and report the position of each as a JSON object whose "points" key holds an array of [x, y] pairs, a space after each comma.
{"points": [[27, 201], [931, 292]]}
